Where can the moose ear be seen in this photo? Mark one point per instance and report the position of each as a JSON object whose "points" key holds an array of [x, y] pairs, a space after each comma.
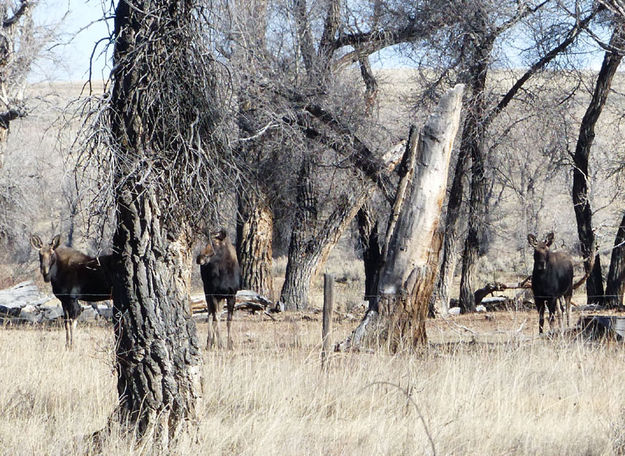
{"points": [[549, 239], [532, 240], [36, 242], [56, 241]]}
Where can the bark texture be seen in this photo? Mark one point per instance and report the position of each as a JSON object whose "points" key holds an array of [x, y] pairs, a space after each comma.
{"points": [[304, 253], [157, 351], [254, 244], [158, 355], [447, 267]]}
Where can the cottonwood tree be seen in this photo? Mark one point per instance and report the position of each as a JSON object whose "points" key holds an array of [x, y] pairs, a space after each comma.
{"points": [[302, 113], [159, 147], [471, 47], [580, 193]]}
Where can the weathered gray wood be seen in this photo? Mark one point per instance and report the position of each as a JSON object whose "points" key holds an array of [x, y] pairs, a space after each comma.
{"points": [[404, 286], [328, 305], [22, 294], [410, 242], [245, 299]]}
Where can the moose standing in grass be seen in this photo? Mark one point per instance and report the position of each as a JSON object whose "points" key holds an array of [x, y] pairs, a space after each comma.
{"points": [[74, 276], [552, 281], [221, 278]]}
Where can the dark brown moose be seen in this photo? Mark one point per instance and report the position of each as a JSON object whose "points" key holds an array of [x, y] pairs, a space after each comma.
{"points": [[552, 281], [221, 277], [74, 276]]}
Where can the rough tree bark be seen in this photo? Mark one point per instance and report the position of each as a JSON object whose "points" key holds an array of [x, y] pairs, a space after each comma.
{"points": [[157, 350], [407, 275], [303, 254], [581, 202], [615, 287], [254, 243]]}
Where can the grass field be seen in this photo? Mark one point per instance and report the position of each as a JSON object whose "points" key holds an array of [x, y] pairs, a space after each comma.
{"points": [[484, 386]]}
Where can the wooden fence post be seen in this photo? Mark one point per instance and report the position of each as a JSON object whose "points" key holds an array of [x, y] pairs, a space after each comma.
{"points": [[328, 304]]}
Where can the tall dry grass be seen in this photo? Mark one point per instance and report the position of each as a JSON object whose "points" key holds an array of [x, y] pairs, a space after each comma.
{"points": [[268, 396]]}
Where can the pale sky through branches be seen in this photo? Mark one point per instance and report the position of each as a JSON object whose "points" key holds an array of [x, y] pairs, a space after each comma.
{"points": [[78, 25]]}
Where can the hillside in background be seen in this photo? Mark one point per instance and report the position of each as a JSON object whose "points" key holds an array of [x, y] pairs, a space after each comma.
{"points": [[529, 147]]}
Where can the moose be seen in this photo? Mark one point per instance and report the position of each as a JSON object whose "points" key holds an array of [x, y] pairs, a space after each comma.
{"points": [[221, 278], [552, 281], [74, 276]]}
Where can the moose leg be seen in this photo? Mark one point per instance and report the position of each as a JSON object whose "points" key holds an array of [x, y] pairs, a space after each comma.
{"points": [[72, 328], [567, 303], [66, 324], [560, 313], [540, 307], [212, 318], [210, 340], [551, 305], [67, 306], [230, 303], [216, 316], [73, 311]]}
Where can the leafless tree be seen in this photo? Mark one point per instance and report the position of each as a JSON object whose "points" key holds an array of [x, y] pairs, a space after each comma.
{"points": [[396, 314], [581, 202], [303, 120], [466, 51], [161, 146]]}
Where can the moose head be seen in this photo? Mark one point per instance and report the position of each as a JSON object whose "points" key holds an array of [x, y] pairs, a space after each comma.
{"points": [[541, 250], [47, 254]]}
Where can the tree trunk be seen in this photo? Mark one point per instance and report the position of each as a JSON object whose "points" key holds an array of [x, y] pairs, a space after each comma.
{"points": [[581, 202], [477, 221], [409, 269], [302, 256], [157, 351], [441, 294], [405, 314], [371, 249], [476, 114], [616, 276], [254, 244], [312, 241]]}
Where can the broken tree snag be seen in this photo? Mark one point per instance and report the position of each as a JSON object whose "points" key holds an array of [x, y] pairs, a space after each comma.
{"points": [[408, 270], [406, 313]]}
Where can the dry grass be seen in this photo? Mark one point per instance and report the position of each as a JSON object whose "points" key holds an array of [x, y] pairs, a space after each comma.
{"points": [[517, 395]]}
